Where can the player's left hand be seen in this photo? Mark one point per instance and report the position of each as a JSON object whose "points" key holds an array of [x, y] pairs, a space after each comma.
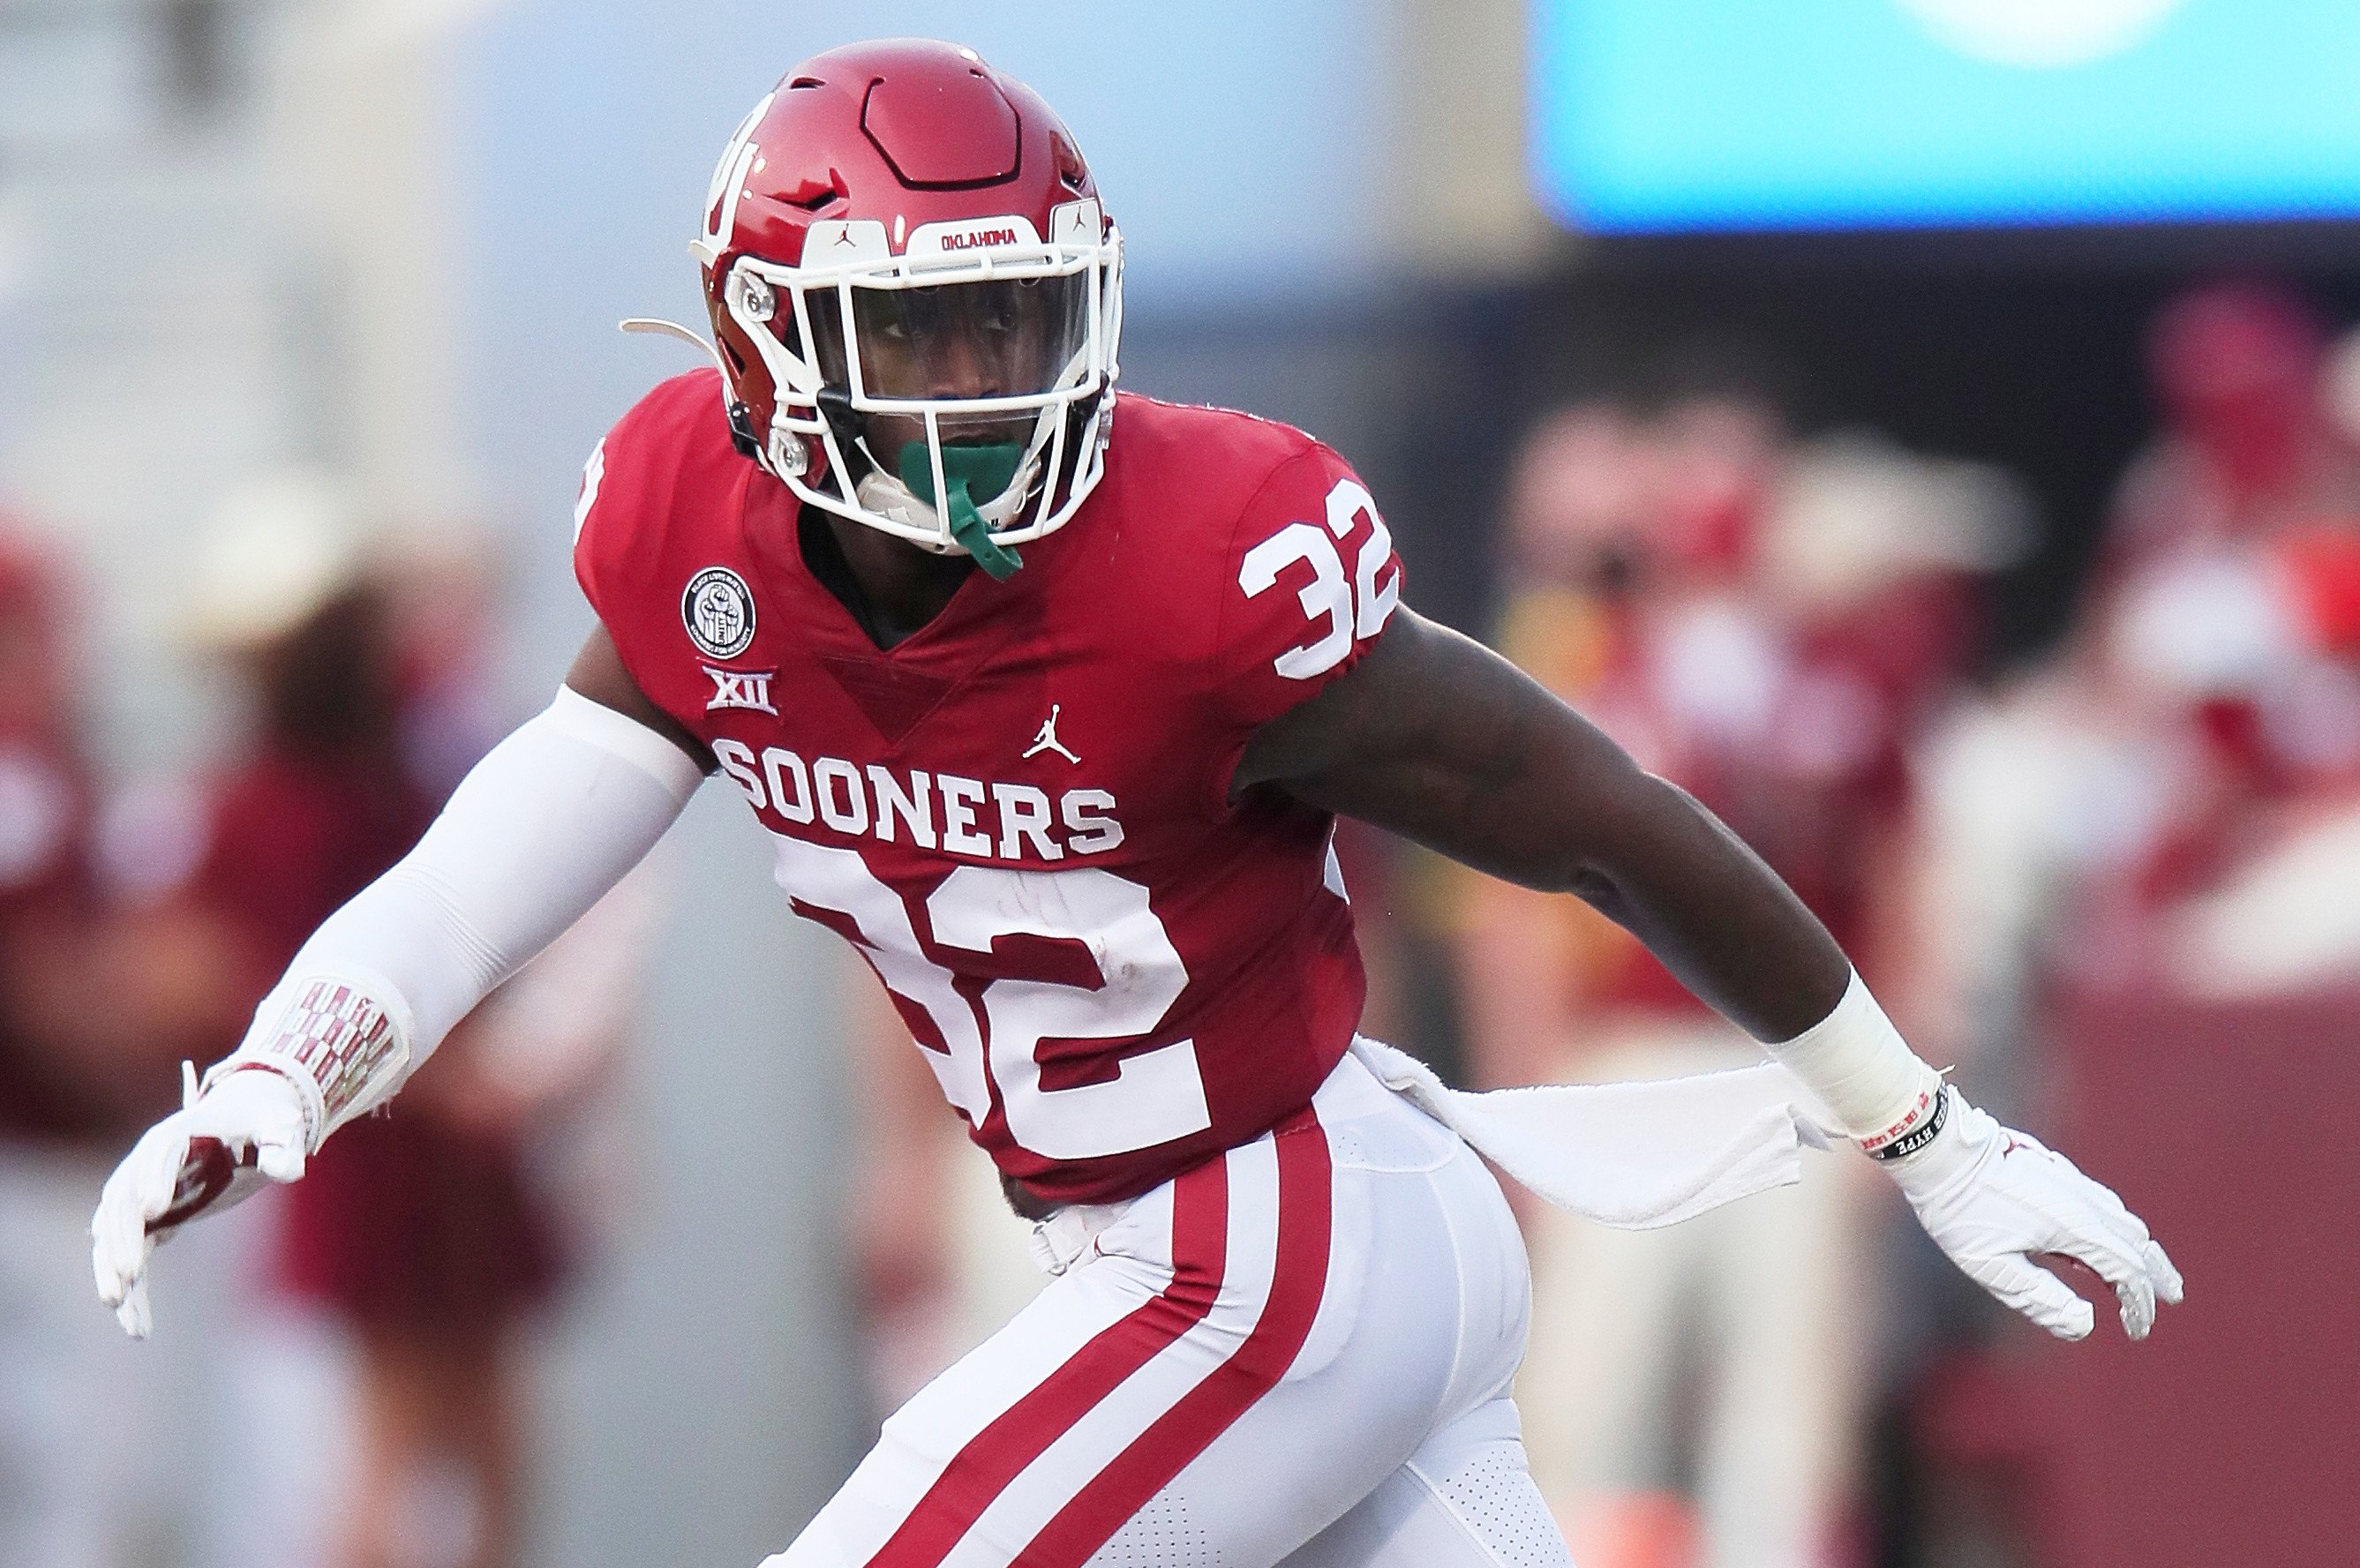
{"points": [[1993, 1199]]}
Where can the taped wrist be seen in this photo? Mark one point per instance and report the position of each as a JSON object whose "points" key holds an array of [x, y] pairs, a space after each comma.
{"points": [[342, 1040], [1888, 1100]]}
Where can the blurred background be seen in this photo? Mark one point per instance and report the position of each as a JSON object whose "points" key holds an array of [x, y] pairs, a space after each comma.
{"points": [[1927, 429]]}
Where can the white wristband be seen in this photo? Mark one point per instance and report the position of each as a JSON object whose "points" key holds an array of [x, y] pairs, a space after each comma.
{"points": [[1857, 1062]]}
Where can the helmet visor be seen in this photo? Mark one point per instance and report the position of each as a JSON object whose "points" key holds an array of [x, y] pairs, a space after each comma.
{"points": [[972, 340]]}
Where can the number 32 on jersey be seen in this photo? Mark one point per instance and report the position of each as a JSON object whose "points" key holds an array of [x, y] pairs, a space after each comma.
{"points": [[1354, 609], [1156, 1096]]}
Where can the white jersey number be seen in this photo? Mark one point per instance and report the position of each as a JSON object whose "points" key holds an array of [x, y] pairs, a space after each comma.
{"points": [[1353, 609], [1155, 1097]]}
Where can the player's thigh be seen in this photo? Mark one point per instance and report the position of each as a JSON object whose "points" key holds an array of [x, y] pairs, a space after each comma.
{"points": [[1426, 1329], [1174, 1321], [1243, 1357], [1463, 1500], [997, 1412]]}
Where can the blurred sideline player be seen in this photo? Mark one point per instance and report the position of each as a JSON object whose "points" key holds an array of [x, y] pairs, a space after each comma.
{"points": [[420, 1233], [2168, 800], [90, 1011], [1647, 589], [1047, 700], [2228, 584]]}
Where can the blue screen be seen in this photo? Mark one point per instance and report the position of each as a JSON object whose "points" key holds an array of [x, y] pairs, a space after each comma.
{"points": [[1653, 116]]}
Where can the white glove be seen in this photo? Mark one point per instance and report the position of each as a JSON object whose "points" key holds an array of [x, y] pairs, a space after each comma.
{"points": [[200, 1157], [1993, 1199]]}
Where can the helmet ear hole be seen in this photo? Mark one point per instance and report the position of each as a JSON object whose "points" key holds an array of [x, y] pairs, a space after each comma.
{"points": [[752, 297]]}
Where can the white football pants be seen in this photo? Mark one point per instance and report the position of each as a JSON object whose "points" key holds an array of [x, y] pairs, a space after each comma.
{"points": [[1298, 1353]]}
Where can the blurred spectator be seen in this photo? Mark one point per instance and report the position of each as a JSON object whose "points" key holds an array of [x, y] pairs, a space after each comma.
{"points": [[2230, 607], [61, 1079], [2246, 444], [2176, 778], [2144, 852], [91, 1469], [419, 1231], [1768, 628]]}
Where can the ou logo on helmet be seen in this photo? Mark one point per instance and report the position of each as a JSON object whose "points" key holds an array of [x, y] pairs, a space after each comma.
{"points": [[2041, 34], [729, 184]]}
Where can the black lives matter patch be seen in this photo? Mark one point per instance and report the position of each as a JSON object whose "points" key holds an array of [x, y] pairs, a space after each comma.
{"points": [[719, 610]]}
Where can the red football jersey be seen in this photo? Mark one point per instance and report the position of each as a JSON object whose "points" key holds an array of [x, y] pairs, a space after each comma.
{"points": [[1020, 815]]}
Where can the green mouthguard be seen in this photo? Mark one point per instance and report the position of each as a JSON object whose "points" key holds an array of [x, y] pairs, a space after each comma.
{"points": [[972, 475]]}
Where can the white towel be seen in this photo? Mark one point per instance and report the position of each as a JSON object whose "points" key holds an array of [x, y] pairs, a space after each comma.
{"points": [[1634, 1156]]}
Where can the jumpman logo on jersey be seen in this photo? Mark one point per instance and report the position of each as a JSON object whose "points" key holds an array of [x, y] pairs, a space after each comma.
{"points": [[1047, 739]]}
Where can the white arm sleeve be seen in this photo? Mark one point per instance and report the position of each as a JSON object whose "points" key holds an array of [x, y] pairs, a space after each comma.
{"points": [[555, 816]]}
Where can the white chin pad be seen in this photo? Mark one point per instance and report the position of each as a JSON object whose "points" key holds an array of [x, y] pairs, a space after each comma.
{"points": [[892, 498], [880, 493]]}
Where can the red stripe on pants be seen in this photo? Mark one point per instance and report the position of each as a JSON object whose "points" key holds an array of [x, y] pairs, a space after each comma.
{"points": [[999, 1454], [1206, 1411]]}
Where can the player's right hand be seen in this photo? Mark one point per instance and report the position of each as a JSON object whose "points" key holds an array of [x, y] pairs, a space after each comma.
{"points": [[200, 1157]]}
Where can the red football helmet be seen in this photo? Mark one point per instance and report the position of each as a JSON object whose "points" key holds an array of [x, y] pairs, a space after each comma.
{"points": [[916, 295]]}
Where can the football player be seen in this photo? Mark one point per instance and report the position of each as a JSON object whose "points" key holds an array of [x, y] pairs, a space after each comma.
{"points": [[1048, 699]]}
